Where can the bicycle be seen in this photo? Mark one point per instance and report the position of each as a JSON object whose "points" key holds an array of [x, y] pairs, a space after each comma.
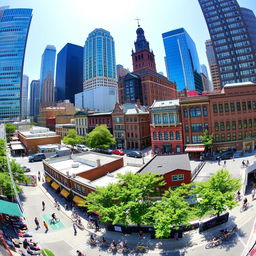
{"points": [[215, 242], [55, 220], [244, 207]]}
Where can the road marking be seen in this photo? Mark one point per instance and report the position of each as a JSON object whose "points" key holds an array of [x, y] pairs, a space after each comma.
{"points": [[240, 239], [54, 226]]}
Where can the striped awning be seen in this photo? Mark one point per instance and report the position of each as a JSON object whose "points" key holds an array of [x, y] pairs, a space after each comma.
{"points": [[78, 200], [55, 185], [65, 193], [194, 148], [48, 179]]}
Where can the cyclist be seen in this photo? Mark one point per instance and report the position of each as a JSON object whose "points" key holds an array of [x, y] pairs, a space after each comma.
{"points": [[238, 195], [123, 245], [92, 239], [54, 219], [113, 246], [245, 203], [103, 241]]}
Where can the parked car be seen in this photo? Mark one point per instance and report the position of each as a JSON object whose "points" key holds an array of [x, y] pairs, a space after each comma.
{"points": [[36, 157], [25, 168], [81, 148], [103, 151], [225, 155], [136, 154], [118, 152]]}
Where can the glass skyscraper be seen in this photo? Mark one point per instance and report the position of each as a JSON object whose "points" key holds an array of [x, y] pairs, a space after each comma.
{"points": [[14, 28], [99, 75], [34, 99], [24, 97], [182, 63], [47, 76], [233, 36], [69, 72]]}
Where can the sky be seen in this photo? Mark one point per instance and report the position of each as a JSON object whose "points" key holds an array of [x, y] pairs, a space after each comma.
{"points": [[57, 22]]}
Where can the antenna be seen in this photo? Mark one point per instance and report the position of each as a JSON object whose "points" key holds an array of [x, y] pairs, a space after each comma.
{"points": [[138, 21]]}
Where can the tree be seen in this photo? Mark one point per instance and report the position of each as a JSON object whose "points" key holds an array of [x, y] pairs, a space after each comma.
{"points": [[10, 128], [100, 137], [217, 194], [207, 139], [128, 201], [72, 138], [171, 212]]}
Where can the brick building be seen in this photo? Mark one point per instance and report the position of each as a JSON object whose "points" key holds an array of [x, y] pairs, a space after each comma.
{"points": [[166, 127], [144, 83], [63, 129], [100, 118], [81, 122]]}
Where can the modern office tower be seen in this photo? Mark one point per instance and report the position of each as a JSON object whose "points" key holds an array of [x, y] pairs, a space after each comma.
{"points": [[233, 35], [14, 28], [34, 99], [24, 97], [207, 85], [47, 97], [99, 76], [182, 63], [214, 70], [204, 70], [121, 71], [69, 72]]}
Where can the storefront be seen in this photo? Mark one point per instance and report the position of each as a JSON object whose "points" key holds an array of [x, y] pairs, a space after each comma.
{"points": [[195, 150]]}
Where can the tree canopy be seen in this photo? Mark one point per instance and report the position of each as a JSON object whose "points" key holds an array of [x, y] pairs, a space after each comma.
{"points": [[100, 137], [10, 128], [72, 138], [207, 139]]}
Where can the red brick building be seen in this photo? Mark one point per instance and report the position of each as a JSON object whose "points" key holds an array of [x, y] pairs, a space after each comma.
{"points": [[144, 83], [166, 127], [100, 118], [174, 169]]}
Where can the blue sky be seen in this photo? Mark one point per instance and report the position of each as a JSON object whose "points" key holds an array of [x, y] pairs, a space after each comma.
{"points": [[58, 22]]}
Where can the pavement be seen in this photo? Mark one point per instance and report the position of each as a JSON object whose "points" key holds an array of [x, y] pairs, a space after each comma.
{"points": [[64, 242]]}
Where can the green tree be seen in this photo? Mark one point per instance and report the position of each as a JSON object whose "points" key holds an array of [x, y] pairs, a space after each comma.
{"points": [[72, 138], [127, 201], [100, 137], [10, 128], [217, 194], [6, 187], [171, 211], [207, 139]]}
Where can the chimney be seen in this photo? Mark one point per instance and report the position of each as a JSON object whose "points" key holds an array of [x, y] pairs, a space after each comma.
{"points": [[98, 162]]}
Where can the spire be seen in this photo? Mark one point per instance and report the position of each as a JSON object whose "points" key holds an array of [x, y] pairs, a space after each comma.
{"points": [[141, 43]]}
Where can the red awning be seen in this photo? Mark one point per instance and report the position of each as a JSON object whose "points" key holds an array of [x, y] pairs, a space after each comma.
{"points": [[194, 148]]}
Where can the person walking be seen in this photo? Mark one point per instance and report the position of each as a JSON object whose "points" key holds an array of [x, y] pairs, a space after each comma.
{"points": [[46, 226], [253, 193], [225, 162], [75, 230], [79, 253], [43, 205], [37, 223]]}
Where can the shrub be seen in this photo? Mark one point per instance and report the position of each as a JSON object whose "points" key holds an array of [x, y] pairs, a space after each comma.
{"points": [[47, 252]]}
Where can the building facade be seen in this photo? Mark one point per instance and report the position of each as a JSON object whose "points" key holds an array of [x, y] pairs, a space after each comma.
{"points": [[232, 30], [182, 63], [121, 71], [47, 93], [14, 28], [34, 99], [144, 83], [166, 127], [100, 70], [95, 119], [63, 129], [69, 72], [81, 123], [24, 97], [213, 64]]}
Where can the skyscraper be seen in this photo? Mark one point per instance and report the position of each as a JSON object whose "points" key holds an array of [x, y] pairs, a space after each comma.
{"points": [[24, 97], [99, 76], [47, 97], [204, 70], [69, 72], [14, 28], [232, 30], [213, 65], [34, 98], [182, 63]]}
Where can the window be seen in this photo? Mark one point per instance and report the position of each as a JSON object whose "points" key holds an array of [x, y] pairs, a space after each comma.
{"points": [[245, 123], [185, 112], [172, 118], [226, 105], [217, 137], [250, 123], [194, 112], [186, 128], [165, 118], [154, 135], [177, 177], [177, 135], [232, 107], [196, 127], [244, 106], [206, 127], [254, 122], [178, 149], [220, 108], [239, 124], [187, 139], [196, 139], [240, 135], [216, 126], [228, 137], [165, 135], [222, 127], [227, 125], [238, 106], [171, 136], [205, 110], [157, 119], [233, 125], [233, 136], [254, 105], [249, 105], [160, 136], [215, 108], [222, 137]]}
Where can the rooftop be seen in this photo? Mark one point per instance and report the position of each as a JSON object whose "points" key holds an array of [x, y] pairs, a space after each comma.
{"points": [[239, 84], [165, 164], [37, 132], [165, 103]]}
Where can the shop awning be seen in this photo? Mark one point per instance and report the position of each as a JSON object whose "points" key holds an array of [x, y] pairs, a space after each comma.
{"points": [[17, 147], [65, 193], [78, 200], [55, 185], [10, 208], [194, 148], [48, 179]]}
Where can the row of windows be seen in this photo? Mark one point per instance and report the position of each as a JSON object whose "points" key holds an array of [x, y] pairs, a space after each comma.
{"points": [[233, 136], [228, 125], [195, 112], [232, 107], [166, 136], [196, 139]]}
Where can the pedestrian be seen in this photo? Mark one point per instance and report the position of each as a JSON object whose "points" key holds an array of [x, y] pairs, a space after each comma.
{"points": [[66, 207], [218, 161], [253, 193], [37, 223], [39, 177], [140, 234], [43, 205], [75, 230], [79, 253], [247, 163], [97, 227], [38, 173], [46, 226], [225, 162], [233, 157]]}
